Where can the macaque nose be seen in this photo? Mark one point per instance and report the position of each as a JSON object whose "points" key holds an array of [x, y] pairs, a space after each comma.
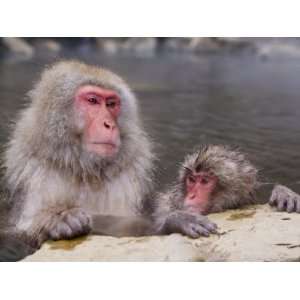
{"points": [[192, 195], [109, 124]]}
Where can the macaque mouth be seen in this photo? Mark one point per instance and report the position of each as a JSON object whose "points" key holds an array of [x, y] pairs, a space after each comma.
{"points": [[104, 144], [106, 148]]}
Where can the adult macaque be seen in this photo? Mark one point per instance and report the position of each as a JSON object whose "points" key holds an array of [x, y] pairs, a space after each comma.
{"points": [[78, 149]]}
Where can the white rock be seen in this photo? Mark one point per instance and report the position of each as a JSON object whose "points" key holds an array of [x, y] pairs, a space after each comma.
{"points": [[18, 46], [48, 45], [108, 46], [255, 234], [178, 44], [142, 46], [279, 49], [203, 44]]}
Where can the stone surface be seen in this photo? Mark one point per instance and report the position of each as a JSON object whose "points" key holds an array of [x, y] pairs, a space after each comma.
{"points": [[257, 233], [18, 46], [47, 45], [143, 46]]}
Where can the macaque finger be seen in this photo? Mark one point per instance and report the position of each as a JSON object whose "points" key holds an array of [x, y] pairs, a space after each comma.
{"points": [[194, 231], [85, 221], [290, 207], [74, 223], [281, 204], [273, 198], [297, 205], [296, 200], [201, 230], [190, 232], [206, 223], [54, 234], [61, 231]]}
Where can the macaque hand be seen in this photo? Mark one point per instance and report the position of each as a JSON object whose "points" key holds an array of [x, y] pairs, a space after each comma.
{"points": [[285, 199], [69, 224], [190, 224]]}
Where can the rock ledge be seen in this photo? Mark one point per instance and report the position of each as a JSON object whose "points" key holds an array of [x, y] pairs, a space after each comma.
{"points": [[257, 233]]}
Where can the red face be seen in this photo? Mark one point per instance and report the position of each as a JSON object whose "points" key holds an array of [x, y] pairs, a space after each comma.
{"points": [[100, 109], [199, 188]]}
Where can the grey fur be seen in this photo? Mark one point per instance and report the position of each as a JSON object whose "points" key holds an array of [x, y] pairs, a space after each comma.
{"points": [[54, 184]]}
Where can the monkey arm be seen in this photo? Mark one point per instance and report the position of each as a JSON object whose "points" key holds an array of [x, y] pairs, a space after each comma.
{"points": [[14, 247], [14, 244], [182, 221], [171, 216]]}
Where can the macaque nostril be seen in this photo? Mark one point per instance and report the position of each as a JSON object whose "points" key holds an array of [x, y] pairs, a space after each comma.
{"points": [[204, 181], [107, 125]]}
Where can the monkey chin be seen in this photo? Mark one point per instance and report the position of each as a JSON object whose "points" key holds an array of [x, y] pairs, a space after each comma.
{"points": [[105, 150], [198, 208]]}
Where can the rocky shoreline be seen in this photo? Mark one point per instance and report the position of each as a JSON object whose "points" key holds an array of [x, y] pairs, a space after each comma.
{"points": [[257, 233]]}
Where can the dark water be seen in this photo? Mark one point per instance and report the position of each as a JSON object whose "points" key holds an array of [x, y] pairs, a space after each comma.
{"points": [[190, 100]]}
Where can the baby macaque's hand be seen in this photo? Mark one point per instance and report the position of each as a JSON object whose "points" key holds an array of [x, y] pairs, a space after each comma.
{"points": [[285, 199], [190, 224]]}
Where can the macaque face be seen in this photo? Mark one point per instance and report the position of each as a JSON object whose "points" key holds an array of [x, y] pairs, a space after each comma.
{"points": [[199, 189], [99, 110]]}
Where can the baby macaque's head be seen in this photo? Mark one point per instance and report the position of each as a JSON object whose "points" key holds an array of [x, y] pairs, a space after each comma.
{"points": [[215, 178]]}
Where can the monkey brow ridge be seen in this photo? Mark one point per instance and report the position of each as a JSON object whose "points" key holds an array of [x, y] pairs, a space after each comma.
{"points": [[188, 169]]}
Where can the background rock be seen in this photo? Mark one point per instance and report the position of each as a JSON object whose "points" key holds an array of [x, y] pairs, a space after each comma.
{"points": [[266, 48], [254, 234], [47, 45], [18, 46]]}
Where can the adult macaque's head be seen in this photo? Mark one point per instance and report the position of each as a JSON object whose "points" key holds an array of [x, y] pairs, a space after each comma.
{"points": [[83, 119]]}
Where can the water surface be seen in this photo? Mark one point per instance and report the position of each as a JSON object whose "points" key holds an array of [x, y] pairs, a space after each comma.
{"points": [[188, 100]]}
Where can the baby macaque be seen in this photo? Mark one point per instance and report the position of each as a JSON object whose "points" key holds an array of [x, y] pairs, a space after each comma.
{"points": [[212, 179]]}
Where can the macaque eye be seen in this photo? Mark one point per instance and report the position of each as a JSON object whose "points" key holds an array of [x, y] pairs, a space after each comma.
{"points": [[111, 103], [191, 179], [198, 168], [93, 100]]}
